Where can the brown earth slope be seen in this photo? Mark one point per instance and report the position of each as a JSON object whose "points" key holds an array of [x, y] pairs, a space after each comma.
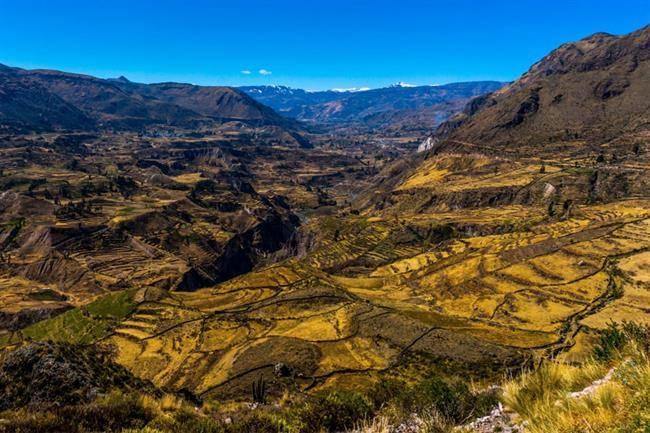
{"points": [[24, 104], [593, 91]]}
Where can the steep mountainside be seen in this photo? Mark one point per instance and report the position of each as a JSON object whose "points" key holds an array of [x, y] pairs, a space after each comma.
{"points": [[374, 107], [591, 91], [107, 103], [28, 105]]}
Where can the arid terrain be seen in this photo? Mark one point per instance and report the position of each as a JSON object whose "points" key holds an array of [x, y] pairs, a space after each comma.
{"points": [[218, 254]]}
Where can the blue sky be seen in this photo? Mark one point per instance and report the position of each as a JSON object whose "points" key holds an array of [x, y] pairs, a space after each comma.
{"points": [[308, 44]]}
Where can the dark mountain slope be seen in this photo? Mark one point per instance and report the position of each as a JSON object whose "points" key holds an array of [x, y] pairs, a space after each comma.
{"points": [[45, 99], [592, 91], [27, 105], [216, 102], [109, 104]]}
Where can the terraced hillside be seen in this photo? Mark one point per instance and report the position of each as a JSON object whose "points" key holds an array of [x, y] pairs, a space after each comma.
{"points": [[83, 216], [484, 288], [357, 304]]}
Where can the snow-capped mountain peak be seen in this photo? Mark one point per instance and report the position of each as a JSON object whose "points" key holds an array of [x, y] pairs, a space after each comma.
{"points": [[403, 84]]}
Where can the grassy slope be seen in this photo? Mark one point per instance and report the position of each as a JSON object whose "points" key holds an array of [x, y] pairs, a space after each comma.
{"points": [[85, 325]]}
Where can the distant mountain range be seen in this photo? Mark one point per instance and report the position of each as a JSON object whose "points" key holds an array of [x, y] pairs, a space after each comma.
{"points": [[41, 100], [45, 100], [400, 104]]}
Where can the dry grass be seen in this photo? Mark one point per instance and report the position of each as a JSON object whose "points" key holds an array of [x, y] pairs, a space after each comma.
{"points": [[165, 403], [619, 405], [547, 384], [379, 424], [428, 422]]}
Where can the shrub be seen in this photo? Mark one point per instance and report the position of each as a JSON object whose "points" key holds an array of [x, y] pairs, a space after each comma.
{"points": [[432, 392], [334, 411], [451, 399], [385, 391], [639, 333], [611, 340]]}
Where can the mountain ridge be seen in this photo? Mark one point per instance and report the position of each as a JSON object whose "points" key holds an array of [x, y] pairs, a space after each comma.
{"points": [[88, 102]]}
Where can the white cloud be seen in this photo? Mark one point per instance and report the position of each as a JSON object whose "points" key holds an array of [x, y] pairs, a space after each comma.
{"points": [[264, 72], [246, 72], [351, 89]]}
